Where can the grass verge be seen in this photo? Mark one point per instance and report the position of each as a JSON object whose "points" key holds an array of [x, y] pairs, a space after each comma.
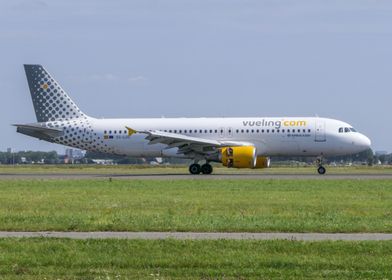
{"points": [[197, 205], [175, 259]]}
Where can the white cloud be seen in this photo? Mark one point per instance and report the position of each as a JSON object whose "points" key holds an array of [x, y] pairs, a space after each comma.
{"points": [[108, 77], [104, 77], [137, 79], [28, 5]]}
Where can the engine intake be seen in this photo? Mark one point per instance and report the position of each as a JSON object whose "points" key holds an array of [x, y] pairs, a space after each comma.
{"points": [[243, 157]]}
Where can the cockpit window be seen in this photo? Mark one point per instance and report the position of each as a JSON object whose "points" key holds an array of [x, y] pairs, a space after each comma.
{"points": [[347, 129]]}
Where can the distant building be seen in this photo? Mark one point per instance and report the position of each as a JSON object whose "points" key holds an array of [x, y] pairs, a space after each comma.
{"points": [[9, 150], [73, 154], [381, 153], [103, 161]]}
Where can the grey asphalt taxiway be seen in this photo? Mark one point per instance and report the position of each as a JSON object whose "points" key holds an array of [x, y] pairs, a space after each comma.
{"points": [[203, 235], [176, 176]]}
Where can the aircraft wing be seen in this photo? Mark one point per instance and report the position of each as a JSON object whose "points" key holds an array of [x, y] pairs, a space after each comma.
{"points": [[188, 144]]}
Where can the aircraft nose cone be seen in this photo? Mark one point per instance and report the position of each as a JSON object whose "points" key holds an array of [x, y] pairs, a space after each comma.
{"points": [[364, 142], [368, 142]]}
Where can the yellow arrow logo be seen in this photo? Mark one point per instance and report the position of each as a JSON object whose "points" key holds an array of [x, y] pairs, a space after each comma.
{"points": [[130, 131]]}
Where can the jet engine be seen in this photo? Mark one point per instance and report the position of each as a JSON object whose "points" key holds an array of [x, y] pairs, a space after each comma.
{"points": [[243, 157]]}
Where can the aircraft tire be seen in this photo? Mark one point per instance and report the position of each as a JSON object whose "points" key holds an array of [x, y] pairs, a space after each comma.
{"points": [[321, 170], [206, 169], [194, 169]]}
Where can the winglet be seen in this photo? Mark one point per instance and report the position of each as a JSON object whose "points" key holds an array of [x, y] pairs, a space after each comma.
{"points": [[130, 131]]}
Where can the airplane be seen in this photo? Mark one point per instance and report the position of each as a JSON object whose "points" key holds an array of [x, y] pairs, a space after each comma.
{"points": [[233, 142]]}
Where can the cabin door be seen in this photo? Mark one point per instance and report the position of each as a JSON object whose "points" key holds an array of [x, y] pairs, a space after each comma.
{"points": [[320, 135]]}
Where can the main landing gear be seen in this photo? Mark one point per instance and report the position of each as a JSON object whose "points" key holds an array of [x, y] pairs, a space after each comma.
{"points": [[321, 169], [195, 168]]}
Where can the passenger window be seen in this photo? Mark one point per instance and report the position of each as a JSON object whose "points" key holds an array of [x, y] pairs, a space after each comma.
{"points": [[273, 131], [216, 131], [201, 131], [242, 131], [257, 131], [267, 130], [277, 131], [105, 132], [237, 131], [210, 130], [282, 130], [247, 131], [309, 130], [262, 131], [253, 131]]}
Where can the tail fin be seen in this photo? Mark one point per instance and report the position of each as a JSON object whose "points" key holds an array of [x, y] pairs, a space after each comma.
{"points": [[51, 102]]}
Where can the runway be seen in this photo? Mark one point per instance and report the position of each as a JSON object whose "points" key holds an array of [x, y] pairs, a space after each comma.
{"points": [[203, 236], [177, 176]]}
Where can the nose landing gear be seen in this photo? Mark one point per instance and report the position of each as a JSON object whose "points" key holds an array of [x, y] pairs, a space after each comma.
{"points": [[321, 169], [205, 169]]}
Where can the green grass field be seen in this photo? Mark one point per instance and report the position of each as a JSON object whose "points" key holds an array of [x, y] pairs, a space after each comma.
{"points": [[174, 259], [197, 205]]}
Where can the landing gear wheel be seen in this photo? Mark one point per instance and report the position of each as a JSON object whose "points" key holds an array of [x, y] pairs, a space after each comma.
{"points": [[321, 170], [194, 169], [206, 168]]}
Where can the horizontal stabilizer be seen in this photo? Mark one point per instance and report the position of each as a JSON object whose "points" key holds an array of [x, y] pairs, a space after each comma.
{"points": [[39, 130]]}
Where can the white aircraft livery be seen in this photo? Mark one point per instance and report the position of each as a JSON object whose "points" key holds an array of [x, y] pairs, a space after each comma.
{"points": [[234, 142]]}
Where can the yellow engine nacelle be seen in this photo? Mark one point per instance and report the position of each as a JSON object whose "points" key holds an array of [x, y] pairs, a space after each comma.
{"points": [[263, 162], [243, 157]]}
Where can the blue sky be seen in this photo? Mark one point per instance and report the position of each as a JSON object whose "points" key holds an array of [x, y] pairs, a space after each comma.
{"points": [[202, 58]]}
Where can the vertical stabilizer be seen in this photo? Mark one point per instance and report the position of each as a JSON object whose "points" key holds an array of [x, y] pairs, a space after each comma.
{"points": [[51, 102]]}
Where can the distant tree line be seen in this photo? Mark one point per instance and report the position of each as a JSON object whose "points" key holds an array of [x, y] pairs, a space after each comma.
{"points": [[129, 160], [28, 157], [366, 157]]}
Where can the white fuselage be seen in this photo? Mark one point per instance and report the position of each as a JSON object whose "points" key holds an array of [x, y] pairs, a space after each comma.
{"points": [[271, 136], [235, 142]]}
